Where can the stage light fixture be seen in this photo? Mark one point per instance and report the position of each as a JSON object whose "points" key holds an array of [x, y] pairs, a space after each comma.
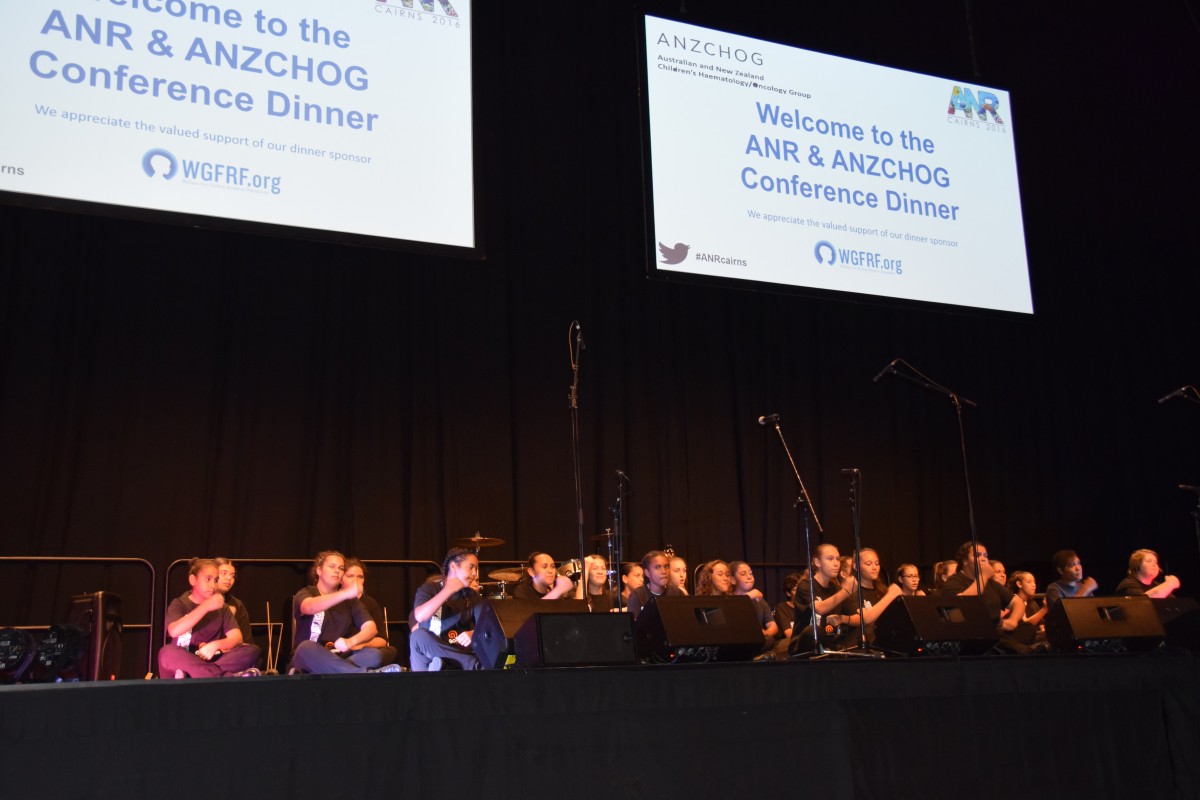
{"points": [[59, 654], [16, 654]]}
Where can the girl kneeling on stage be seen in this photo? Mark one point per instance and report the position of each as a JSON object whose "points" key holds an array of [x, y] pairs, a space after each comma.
{"points": [[445, 616], [205, 640]]}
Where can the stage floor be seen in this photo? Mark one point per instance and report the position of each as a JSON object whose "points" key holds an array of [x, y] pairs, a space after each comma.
{"points": [[1094, 726]]}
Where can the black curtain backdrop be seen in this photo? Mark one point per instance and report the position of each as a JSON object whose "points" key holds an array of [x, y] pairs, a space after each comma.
{"points": [[168, 391]]}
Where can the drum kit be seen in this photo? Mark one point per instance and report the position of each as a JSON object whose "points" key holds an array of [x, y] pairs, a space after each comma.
{"points": [[497, 587]]}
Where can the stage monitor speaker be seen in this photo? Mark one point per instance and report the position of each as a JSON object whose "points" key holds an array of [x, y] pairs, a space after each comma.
{"points": [[497, 623], [575, 640], [98, 615], [936, 626], [682, 629], [1180, 617], [1103, 625]]}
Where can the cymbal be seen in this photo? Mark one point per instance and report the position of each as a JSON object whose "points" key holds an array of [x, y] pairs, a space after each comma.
{"points": [[600, 536], [508, 575], [477, 541]]}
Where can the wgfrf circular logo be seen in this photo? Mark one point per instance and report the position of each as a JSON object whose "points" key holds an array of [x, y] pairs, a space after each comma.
{"points": [[819, 250], [160, 162]]}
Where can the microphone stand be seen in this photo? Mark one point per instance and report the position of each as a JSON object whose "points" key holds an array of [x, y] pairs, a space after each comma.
{"points": [[1191, 394], [615, 542], [804, 510], [575, 350], [862, 648], [1196, 512], [931, 385]]}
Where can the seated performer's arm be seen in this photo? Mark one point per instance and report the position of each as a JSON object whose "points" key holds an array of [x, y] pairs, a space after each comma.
{"points": [[427, 609], [180, 625], [872, 612], [324, 602]]}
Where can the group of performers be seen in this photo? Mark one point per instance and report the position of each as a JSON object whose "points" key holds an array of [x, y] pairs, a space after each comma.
{"points": [[336, 630]]}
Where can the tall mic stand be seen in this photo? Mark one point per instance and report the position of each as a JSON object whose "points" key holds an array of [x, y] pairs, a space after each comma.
{"points": [[616, 545], [862, 648], [804, 510], [1196, 511], [575, 350], [928, 383], [1191, 394]]}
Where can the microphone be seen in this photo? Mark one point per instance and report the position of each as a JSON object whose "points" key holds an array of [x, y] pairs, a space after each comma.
{"points": [[851, 471], [623, 476], [1177, 393], [891, 367], [765, 418]]}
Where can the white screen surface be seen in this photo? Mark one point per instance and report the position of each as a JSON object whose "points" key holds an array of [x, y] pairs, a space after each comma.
{"points": [[346, 116], [784, 166]]}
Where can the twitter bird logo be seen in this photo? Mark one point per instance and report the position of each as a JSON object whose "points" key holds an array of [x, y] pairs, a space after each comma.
{"points": [[674, 255]]}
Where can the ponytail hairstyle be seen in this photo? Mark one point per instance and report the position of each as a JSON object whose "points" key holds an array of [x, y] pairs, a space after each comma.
{"points": [[529, 564], [318, 561], [454, 557], [1016, 578], [197, 564], [653, 554]]}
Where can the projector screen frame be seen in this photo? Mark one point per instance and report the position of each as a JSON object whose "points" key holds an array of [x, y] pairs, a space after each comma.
{"points": [[650, 248], [53, 203]]}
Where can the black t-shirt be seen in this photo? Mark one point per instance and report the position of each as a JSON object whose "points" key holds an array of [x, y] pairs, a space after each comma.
{"points": [[871, 596], [525, 590], [242, 615], [800, 599], [376, 613], [601, 603], [996, 598], [785, 614], [212, 626], [454, 615], [641, 597], [1132, 587], [840, 636], [335, 623]]}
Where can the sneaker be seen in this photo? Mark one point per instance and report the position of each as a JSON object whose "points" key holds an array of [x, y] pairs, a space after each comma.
{"points": [[388, 669], [293, 671], [435, 664], [253, 672]]}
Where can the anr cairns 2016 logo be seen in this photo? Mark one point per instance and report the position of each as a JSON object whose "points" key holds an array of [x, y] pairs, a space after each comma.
{"points": [[972, 103], [382, 6]]}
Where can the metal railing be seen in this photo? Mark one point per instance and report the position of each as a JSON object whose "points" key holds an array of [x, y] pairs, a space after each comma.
{"points": [[100, 560], [300, 563]]}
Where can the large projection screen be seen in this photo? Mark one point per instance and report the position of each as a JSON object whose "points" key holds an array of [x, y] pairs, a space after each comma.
{"points": [[337, 119], [786, 167]]}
